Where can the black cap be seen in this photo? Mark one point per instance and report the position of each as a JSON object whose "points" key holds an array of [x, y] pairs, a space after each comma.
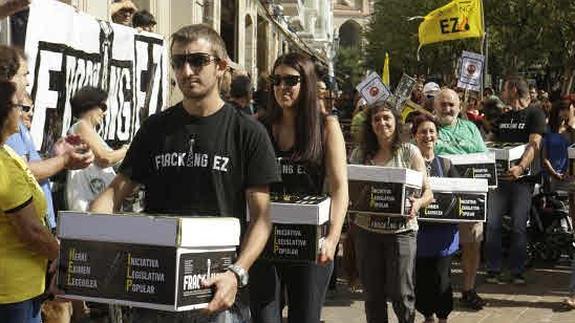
{"points": [[86, 99]]}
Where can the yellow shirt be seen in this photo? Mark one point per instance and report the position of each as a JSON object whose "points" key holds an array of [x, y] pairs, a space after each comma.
{"points": [[22, 271]]}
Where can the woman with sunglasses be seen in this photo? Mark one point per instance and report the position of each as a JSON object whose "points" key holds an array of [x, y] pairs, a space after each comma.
{"points": [[385, 256], [26, 243], [88, 108], [312, 144], [436, 242]]}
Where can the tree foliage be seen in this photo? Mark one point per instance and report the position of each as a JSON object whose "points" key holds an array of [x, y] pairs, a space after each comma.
{"points": [[532, 37], [349, 67]]}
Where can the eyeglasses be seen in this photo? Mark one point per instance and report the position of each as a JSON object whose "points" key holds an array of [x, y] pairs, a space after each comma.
{"points": [[288, 80], [196, 60]]}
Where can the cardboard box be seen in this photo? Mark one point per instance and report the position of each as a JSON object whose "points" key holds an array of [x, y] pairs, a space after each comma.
{"points": [[507, 155], [571, 151], [476, 165], [299, 227], [571, 155], [456, 200], [154, 262], [382, 190]]}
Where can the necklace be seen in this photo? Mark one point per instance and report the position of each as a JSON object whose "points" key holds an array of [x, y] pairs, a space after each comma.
{"points": [[428, 167]]}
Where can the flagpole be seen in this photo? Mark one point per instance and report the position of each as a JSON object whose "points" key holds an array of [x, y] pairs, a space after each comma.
{"points": [[484, 48]]}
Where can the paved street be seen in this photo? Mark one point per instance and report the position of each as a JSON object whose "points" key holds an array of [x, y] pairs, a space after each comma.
{"points": [[538, 301]]}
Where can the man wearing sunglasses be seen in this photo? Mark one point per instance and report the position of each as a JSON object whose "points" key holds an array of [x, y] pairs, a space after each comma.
{"points": [[202, 157]]}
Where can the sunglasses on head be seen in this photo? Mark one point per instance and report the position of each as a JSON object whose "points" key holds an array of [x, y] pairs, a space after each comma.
{"points": [[194, 59], [288, 80]]}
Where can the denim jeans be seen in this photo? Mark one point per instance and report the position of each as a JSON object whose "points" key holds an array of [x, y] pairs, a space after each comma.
{"points": [[22, 312], [306, 286], [514, 199], [572, 284], [238, 313]]}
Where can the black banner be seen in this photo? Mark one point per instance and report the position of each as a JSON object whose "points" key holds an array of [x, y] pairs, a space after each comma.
{"points": [[377, 197], [118, 271], [193, 268], [487, 171], [455, 207], [294, 242]]}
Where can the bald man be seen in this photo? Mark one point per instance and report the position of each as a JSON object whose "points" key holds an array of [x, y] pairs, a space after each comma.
{"points": [[458, 137]]}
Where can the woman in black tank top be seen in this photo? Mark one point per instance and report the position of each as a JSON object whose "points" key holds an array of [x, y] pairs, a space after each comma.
{"points": [[310, 149]]}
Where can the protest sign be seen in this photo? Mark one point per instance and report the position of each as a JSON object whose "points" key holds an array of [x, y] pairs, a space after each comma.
{"points": [[471, 72], [403, 89], [67, 50], [372, 89]]}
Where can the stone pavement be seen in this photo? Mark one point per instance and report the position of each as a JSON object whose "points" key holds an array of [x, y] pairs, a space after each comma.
{"points": [[537, 301]]}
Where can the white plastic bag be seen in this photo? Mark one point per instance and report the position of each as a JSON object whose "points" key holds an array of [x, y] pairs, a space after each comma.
{"points": [[83, 186]]}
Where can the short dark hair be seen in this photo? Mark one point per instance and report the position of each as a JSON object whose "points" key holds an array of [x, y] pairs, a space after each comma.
{"points": [[518, 83], [9, 61], [86, 99], [421, 118], [7, 91], [369, 143], [143, 18], [192, 33], [241, 87]]}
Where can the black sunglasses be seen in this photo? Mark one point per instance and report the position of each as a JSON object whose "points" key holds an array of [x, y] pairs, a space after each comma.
{"points": [[288, 80], [26, 108], [195, 60]]}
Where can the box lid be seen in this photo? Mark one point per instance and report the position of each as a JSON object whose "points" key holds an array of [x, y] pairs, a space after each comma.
{"points": [[301, 210], [507, 151], [384, 174], [458, 185], [150, 230], [469, 159]]}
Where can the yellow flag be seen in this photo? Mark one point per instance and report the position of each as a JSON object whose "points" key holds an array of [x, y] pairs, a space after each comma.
{"points": [[385, 73], [457, 20]]}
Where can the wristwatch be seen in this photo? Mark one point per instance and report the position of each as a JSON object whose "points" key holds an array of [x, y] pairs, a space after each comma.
{"points": [[241, 275]]}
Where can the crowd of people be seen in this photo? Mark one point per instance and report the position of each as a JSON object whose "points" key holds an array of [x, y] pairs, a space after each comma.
{"points": [[292, 117]]}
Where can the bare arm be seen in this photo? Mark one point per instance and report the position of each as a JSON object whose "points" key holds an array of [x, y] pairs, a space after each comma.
{"points": [[29, 229], [531, 150], [259, 227], [338, 190], [255, 239], [426, 194], [43, 169], [102, 155], [548, 167], [111, 198]]}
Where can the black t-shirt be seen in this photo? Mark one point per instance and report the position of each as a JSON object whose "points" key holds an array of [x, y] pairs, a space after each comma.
{"points": [[200, 165], [516, 126], [297, 178]]}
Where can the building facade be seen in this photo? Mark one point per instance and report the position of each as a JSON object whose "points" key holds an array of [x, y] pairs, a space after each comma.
{"points": [[350, 19], [256, 32]]}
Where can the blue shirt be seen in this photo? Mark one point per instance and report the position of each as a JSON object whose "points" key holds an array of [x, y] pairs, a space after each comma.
{"points": [[556, 146], [21, 142], [437, 239]]}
